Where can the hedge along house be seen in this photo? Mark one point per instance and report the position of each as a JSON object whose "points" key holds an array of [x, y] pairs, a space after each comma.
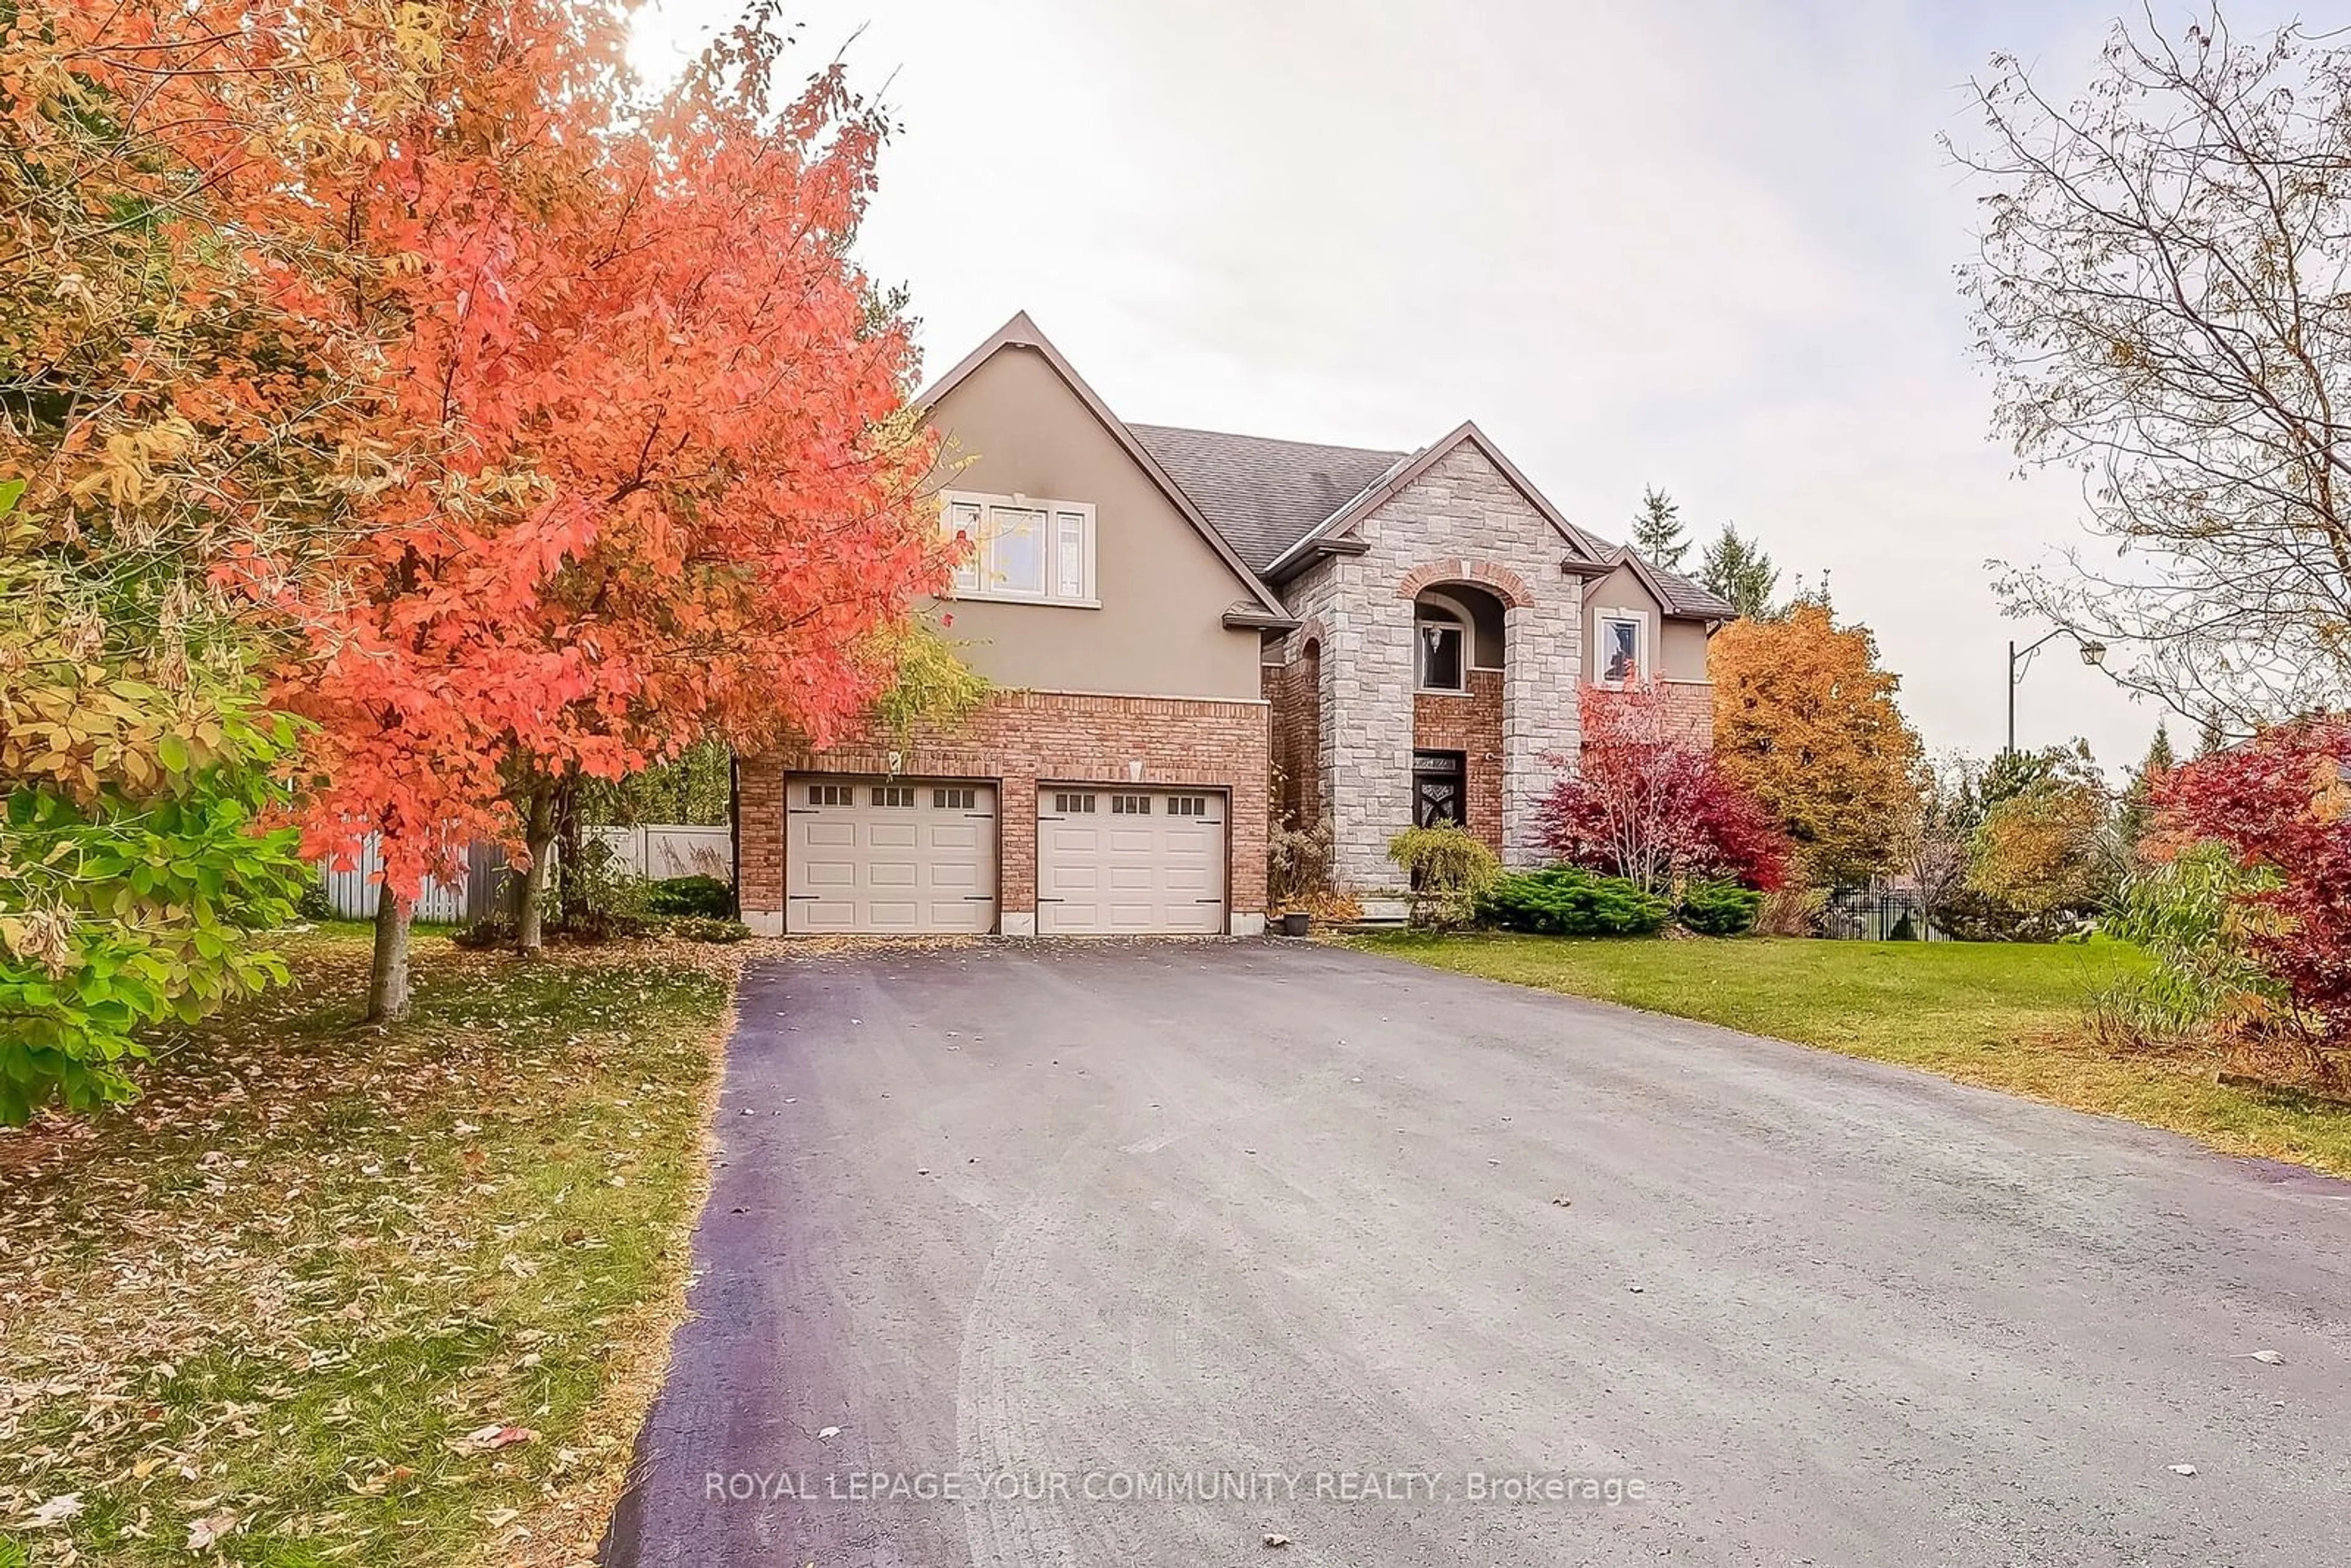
{"points": [[1166, 613]]}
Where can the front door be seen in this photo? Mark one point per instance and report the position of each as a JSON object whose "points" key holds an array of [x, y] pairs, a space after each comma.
{"points": [[1438, 797]]}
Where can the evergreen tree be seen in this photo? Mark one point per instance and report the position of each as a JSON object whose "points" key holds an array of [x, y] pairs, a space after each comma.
{"points": [[1739, 570], [2134, 818], [1658, 530]]}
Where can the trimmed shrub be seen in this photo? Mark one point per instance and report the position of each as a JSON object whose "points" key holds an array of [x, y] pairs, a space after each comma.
{"points": [[1447, 869], [1720, 908], [1569, 901], [699, 895], [313, 903]]}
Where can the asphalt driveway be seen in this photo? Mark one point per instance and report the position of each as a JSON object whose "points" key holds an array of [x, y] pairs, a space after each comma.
{"points": [[1138, 1255]]}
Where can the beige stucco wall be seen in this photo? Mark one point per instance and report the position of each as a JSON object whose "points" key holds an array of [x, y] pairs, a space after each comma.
{"points": [[1164, 589], [1686, 651], [1679, 650]]}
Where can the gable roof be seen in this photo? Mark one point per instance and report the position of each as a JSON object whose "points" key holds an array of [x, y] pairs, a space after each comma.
{"points": [[1681, 596], [1265, 504], [1021, 332], [1342, 524], [1264, 494]]}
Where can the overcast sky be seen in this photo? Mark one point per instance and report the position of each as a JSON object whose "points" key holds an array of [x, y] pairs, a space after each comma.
{"points": [[1705, 245]]}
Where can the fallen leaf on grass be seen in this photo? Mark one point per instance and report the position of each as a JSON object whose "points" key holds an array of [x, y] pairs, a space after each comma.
{"points": [[488, 1440], [212, 1527], [55, 1511]]}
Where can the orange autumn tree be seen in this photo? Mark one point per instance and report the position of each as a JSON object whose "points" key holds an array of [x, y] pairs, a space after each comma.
{"points": [[727, 408], [471, 172], [1805, 721], [643, 469]]}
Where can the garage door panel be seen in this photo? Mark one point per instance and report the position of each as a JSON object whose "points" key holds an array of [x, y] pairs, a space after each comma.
{"points": [[898, 856], [1147, 868]]}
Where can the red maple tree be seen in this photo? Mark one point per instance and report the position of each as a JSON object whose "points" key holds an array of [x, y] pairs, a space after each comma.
{"points": [[1646, 802], [2280, 800]]}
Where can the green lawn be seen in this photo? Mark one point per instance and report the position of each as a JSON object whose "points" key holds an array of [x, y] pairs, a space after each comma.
{"points": [[334, 1295], [2007, 1016]]}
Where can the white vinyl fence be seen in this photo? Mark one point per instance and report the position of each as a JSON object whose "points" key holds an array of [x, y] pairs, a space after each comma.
{"points": [[657, 850], [443, 901]]}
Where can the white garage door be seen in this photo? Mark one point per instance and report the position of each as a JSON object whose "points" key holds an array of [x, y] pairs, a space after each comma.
{"points": [[1116, 861], [889, 855]]}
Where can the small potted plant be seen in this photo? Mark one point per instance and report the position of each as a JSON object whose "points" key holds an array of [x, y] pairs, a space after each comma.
{"points": [[1295, 921]]}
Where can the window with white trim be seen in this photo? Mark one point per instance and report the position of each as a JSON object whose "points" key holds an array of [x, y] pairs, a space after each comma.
{"points": [[1620, 652], [1441, 650], [1022, 549]]}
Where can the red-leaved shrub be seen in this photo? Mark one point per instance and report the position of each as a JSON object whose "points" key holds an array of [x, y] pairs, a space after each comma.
{"points": [[1645, 800], [2282, 800]]}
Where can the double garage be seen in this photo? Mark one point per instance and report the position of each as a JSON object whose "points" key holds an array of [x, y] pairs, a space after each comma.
{"points": [[925, 856]]}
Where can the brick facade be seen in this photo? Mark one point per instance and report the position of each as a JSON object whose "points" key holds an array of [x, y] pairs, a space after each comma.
{"points": [[1462, 520], [1472, 726], [1293, 695], [1019, 739], [1689, 707]]}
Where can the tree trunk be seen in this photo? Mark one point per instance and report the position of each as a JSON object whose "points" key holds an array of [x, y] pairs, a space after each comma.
{"points": [[539, 838], [388, 979], [564, 809]]}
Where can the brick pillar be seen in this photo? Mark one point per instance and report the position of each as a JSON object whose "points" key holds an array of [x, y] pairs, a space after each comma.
{"points": [[759, 876], [1016, 871]]}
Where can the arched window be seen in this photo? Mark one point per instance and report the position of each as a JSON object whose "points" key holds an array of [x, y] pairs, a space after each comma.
{"points": [[1440, 658]]}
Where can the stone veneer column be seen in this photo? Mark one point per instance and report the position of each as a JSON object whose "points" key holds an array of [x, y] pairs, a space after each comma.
{"points": [[1367, 723], [1540, 717], [1462, 519]]}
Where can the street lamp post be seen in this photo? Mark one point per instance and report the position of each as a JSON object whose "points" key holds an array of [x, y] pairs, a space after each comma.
{"points": [[2092, 654]]}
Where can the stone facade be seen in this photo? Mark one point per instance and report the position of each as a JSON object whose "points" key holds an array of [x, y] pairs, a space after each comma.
{"points": [[1019, 739], [1461, 520], [1470, 724]]}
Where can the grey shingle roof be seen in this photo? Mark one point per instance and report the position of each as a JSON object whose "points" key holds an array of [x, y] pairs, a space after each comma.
{"points": [[1263, 495], [1691, 598]]}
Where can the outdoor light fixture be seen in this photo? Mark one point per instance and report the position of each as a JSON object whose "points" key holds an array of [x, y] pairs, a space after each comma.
{"points": [[2092, 654]]}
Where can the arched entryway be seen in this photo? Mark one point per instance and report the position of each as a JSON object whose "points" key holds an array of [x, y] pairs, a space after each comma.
{"points": [[1459, 650]]}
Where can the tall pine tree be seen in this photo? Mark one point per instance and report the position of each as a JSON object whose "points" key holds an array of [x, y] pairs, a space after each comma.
{"points": [[1657, 529], [2135, 817], [1738, 570]]}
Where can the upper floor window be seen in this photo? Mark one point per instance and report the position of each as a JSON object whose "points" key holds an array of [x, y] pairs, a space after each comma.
{"points": [[1022, 548], [1441, 650], [1620, 647]]}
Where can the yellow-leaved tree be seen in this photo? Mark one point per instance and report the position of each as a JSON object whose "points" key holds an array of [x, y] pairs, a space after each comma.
{"points": [[1805, 721]]}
